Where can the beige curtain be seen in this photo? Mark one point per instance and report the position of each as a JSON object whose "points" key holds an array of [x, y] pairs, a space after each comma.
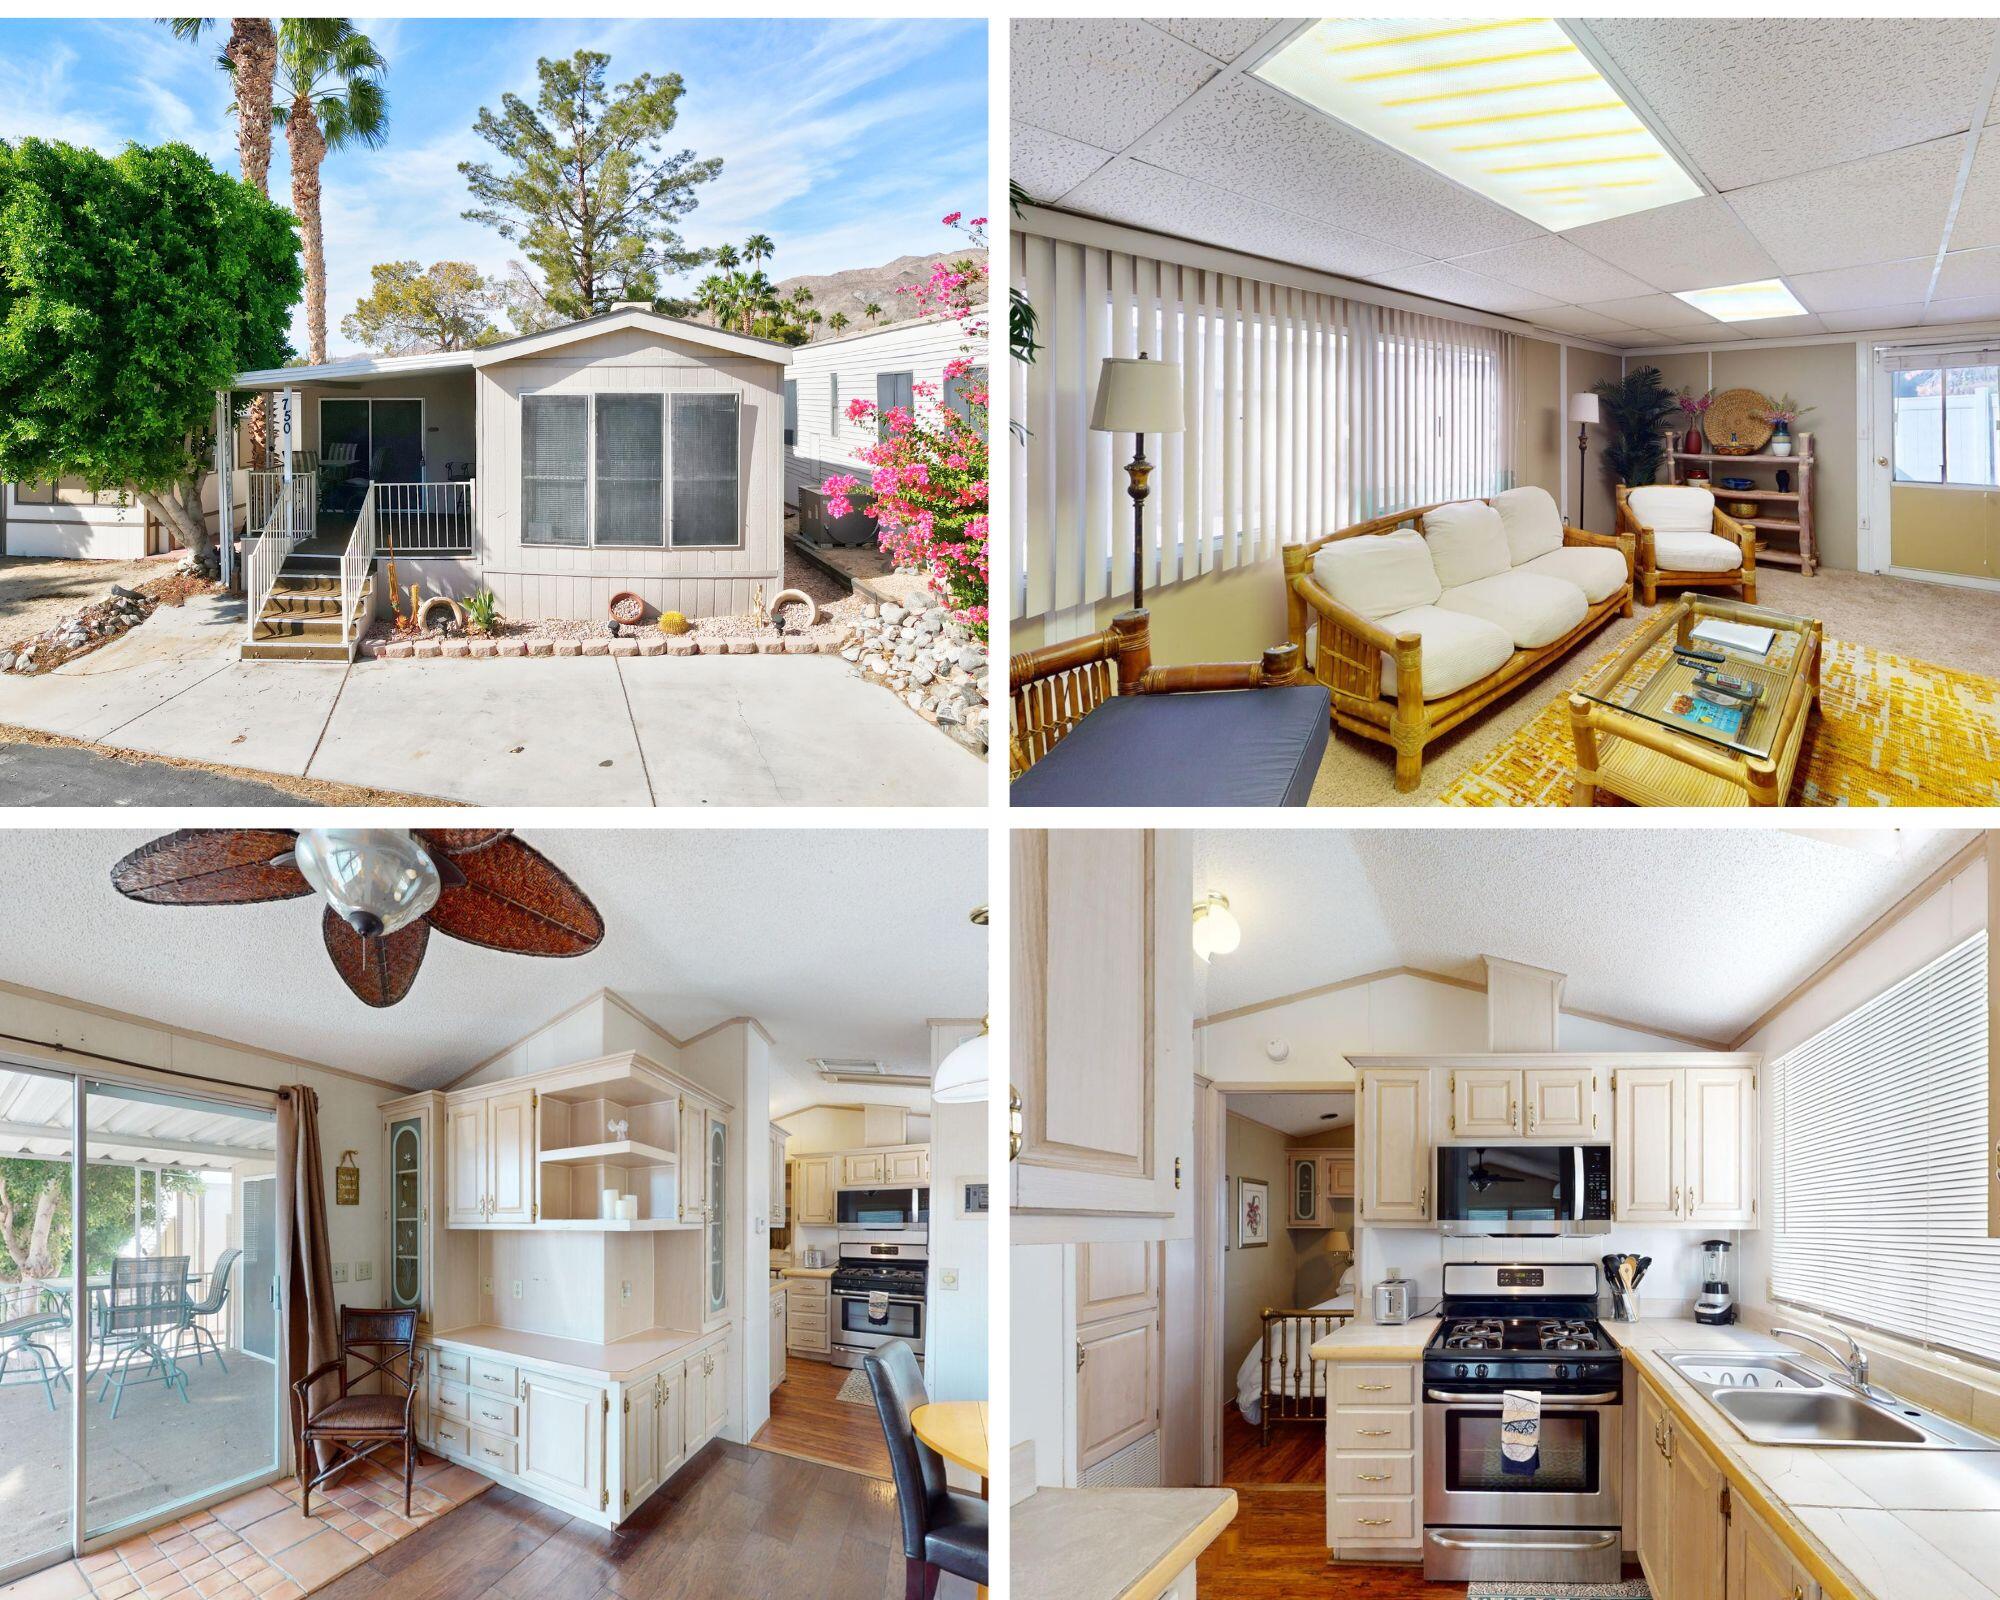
{"points": [[305, 1263]]}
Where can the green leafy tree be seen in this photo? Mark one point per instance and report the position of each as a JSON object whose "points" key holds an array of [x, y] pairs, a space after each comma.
{"points": [[413, 310], [132, 288], [586, 185], [37, 1228], [1637, 407]]}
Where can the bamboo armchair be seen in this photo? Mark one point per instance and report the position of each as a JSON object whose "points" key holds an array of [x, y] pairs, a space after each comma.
{"points": [[1056, 687], [1650, 576], [1348, 658]]}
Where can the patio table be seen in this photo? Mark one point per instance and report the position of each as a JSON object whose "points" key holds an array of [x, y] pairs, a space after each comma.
{"points": [[120, 1334]]}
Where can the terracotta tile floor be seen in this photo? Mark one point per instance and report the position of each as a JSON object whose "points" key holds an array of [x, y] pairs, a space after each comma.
{"points": [[258, 1546]]}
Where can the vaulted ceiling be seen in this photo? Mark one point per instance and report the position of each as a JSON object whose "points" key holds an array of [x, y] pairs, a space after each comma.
{"points": [[1845, 155]]}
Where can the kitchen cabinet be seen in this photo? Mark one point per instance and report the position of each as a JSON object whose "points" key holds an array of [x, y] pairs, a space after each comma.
{"points": [[776, 1175], [1684, 1145], [1560, 1103], [864, 1169], [715, 1390], [1103, 1034], [640, 1413], [1373, 1446], [562, 1444], [807, 1332], [1655, 1513], [1698, 1565], [778, 1299], [1485, 1103], [812, 1192], [1320, 1191], [1394, 1145], [911, 1164], [891, 1167], [492, 1155], [1117, 1385], [670, 1446], [1648, 1109], [1340, 1176], [1760, 1567], [1721, 1146], [1523, 1103]]}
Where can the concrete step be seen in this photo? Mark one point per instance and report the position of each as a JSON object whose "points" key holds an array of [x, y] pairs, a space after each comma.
{"points": [[279, 626], [294, 650], [303, 602], [307, 582]]}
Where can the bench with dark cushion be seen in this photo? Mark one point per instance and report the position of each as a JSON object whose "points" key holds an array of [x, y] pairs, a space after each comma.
{"points": [[1247, 747]]}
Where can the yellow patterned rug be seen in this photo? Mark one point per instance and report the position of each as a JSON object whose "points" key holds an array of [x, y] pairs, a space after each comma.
{"points": [[1889, 731]]}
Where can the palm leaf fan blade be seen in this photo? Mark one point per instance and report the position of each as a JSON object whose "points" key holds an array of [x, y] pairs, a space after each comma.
{"points": [[212, 867], [515, 898], [379, 969]]}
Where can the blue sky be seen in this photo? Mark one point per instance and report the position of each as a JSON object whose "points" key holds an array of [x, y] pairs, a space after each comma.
{"points": [[845, 140]]}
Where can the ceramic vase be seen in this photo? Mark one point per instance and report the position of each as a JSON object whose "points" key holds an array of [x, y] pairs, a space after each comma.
{"points": [[1692, 444], [1781, 439]]}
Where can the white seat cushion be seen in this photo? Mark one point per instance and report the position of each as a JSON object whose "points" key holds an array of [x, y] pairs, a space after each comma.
{"points": [[1533, 610], [1695, 552], [1468, 542], [1673, 508], [1378, 573], [1598, 572], [1534, 526], [1458, 649]]}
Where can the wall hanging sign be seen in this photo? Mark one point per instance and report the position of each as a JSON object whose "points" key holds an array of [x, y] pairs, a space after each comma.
{"points": [[347, 1179]]}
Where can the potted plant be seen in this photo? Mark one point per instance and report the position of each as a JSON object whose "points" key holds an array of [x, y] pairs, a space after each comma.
{"points": [[1694, 407], [1636, 407], [1781, 416]]}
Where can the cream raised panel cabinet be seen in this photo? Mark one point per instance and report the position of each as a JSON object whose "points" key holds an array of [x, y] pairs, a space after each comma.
{"points": [[1560, 1103], [812, 1191], [1103, 1019], [1320, 1188], [1721, 1137], [491, 1160], [1485, 1102], [1654, 1519], [1684, 1146], [777, 1175], [1522, 1103], [1394, 1145], [1760, 1567]]}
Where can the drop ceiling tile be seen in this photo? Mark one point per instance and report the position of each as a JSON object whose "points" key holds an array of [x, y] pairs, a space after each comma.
{"points": [[1778, 327], [1977, 224], [1259, 141], [1047, 165], [1756, 98], [1970, 308], [1442, 281], [1697, 244], [1851, 288], [1653, 311], [1145, 196], [1636, 338], [1225, 38], [1102, 81], [1553, 266], [1886, 208], [1968, 272], [1574, 319], [1906, 315]]}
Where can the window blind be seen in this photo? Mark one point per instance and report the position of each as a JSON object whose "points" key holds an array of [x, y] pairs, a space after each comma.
{"points": [[1304, 412], [1879, 1162], [630, 486], [705, 505], [555, 506]]}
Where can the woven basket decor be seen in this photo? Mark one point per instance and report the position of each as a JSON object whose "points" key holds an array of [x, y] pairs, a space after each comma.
{"points": [[1736, 411]]}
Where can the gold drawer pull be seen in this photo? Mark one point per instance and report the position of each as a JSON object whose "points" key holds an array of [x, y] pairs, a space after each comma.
{"points": [[1373, 1477], [1374, 1433], [1374, 1388], [1375, 1522]]}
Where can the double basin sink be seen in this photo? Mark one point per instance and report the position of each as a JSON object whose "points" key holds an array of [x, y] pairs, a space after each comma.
{"points": [[1773, 1399]]}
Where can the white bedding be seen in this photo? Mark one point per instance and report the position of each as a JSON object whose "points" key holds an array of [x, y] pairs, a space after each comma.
{"points": [[1250, 1376]]}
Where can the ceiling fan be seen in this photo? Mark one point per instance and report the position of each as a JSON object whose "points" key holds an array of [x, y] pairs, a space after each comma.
{"points": [[385, 890]]}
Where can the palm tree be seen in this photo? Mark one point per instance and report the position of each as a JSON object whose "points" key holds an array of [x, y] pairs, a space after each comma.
{"points": [[837, 322], [329, 96], [803, 295], [250, 58], [813, 320], [709, 295], [727, 258], [758, 248], [872, 311]]}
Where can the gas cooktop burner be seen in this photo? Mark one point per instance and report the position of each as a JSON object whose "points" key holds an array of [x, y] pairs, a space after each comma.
{"points": [[1561, 1335], [1486, 1334], [1477, 1334]]}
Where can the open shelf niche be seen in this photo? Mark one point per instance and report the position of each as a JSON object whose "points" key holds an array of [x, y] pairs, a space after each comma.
{"points": [[580, 1159]]}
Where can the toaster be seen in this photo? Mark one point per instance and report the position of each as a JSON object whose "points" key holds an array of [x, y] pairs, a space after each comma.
{"points": [[1392, 1300]]}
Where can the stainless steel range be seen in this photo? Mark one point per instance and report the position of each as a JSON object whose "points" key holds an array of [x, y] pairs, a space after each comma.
{"points": [[878, 1290], [1557, 1521]]}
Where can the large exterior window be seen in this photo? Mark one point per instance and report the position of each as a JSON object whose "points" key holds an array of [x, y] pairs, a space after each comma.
{"points": [[892, 390], [555, 470], [1947, 418], [1879, 1164], [706, 478], [630, 478]]}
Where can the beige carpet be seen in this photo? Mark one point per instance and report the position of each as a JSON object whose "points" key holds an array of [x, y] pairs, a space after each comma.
{"points": [[1934, 622]]}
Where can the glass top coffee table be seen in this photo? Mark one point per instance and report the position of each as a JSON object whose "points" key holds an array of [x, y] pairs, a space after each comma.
{"points": [[1645, 733]]}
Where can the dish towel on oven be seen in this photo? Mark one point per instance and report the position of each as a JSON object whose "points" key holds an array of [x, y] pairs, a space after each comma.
{"points": [[878, 1306], [1520, 1430]]}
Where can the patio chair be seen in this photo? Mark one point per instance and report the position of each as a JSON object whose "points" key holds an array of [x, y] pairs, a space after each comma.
{"points": [[148, 1297], [209, 1304], [23, 1334], [370, 1420]]}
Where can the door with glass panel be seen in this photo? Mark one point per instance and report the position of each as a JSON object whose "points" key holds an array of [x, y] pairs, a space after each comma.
{"points": [[1937, 427]]}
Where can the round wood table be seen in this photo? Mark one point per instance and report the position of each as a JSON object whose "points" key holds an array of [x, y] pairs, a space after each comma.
{"points": [[956, 1430]]}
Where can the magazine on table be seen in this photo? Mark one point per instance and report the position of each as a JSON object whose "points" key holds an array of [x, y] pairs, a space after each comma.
{"points": [[1725, 720]]}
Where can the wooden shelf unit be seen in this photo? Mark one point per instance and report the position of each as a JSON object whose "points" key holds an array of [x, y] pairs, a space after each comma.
{"points": [[578, 1157], [1793, 520]]}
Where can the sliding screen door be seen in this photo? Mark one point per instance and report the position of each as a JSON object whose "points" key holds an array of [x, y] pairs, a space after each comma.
{"points": [[707, 498]]}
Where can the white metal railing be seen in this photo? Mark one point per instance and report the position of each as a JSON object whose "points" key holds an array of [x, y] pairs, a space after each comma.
{"points": [[423, 519], [355, 561], [287, 522], [266, 504]]}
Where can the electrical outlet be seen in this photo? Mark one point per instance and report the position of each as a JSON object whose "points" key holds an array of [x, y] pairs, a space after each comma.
{"points": [[517, 1288], [625, 1291], [340, 1272], [948, 1278], [363, 1271]]}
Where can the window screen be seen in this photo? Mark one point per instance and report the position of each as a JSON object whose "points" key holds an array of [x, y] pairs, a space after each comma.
{"points": [[956, 390], [791, 411], [554, 500], [630, 470], [705, 471], [892, 389], [1879, 1163], [1947, 421]]}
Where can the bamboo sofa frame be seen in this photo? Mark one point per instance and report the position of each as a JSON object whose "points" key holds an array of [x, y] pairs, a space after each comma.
{"points": [[1646, 567], [1057, 686], [1351, 647]]}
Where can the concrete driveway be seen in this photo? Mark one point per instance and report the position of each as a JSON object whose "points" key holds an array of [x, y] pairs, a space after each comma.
{"points": [[585, 730]]}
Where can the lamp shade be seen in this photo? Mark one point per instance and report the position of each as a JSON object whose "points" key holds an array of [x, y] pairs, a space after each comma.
{"points": [[961, 1076], [1135, 395], [1584, 408]]}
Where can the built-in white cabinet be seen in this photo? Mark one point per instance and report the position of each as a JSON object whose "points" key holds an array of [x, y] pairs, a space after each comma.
{"points": [[890, 1167], [812, 1192], [1393, 1142], [562, 1438], [1118, 1348], [491, 1136], [1685, 1145], [807, 1331], [670, 1435], [1485, 1103], [1320, 1190], [1373, 1450], [1721, 1145], [778, 1344], [715, 1145], [1560, 1103], [776, 1173], [1522, 1103], [693, 1205], [427, 1270]]}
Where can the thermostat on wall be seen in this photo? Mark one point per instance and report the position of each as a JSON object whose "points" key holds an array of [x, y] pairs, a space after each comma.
{"points": [[973, 1202]]}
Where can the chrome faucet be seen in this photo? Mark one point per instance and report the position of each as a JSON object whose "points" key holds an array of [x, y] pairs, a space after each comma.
{"points": [[1855, 1361]]}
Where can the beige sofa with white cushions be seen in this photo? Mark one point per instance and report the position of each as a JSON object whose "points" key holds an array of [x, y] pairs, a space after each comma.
{"points": [[1680, 540], [1417, 620]]}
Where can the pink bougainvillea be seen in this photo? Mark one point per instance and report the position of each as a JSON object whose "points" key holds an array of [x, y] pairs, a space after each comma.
{"points": [[929, 462]]}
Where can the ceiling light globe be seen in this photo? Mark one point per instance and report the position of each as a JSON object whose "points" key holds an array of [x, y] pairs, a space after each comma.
{"points": [[961, 1076], [377, 879], [1215, 931]]}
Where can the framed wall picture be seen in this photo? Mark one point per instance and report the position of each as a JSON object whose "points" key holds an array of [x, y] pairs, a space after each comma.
{"points": [[1253, 1213]]}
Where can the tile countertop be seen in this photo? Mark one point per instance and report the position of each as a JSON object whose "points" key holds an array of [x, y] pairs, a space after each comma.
{"points": [[1112, 1544], [1377, 1341], [614, 1362], [1868, 1524], [807, 1272]]}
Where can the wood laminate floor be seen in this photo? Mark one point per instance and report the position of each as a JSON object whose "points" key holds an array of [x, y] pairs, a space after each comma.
{"points": [[808, 1419], [1296, 1454], [733, 1524]]}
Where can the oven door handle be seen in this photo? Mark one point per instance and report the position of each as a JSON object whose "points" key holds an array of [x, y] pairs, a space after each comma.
{"points": [[1580, 1541], [1609, 1397]]}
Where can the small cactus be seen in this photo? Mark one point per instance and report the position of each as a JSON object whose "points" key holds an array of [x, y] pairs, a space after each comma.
{"points": [[673, 622]]}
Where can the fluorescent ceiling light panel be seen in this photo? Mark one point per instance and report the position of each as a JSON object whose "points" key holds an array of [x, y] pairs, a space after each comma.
{"points": [[1508, 107], [1744, 302]]}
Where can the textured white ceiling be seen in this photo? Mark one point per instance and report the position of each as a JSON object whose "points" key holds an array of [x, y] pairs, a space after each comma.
{"points": [[1832, 147], [840, 941], [1300, 1115], [1696, 931]]}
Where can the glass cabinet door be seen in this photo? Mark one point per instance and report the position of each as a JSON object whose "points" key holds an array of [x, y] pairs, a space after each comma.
{"points": [[718, 1230], [406, 1196], [1305, 1190]]}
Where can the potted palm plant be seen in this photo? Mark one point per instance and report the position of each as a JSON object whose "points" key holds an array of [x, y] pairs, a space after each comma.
{"points": [[1636, 407]]}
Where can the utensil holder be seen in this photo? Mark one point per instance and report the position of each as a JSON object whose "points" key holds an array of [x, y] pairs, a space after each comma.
{"points": [[1625, 1305]]}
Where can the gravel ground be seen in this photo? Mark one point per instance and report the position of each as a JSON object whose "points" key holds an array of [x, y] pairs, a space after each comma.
{"points": [[36, 593]]}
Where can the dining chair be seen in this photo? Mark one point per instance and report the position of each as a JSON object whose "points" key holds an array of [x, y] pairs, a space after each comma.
{"points": [[378, 1340], [148, 1297], [944, 1530], [24, 1333], [209, 1304]]}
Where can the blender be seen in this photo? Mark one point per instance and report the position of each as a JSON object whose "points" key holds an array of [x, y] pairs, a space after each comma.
{"points": [[1716, 1304]]}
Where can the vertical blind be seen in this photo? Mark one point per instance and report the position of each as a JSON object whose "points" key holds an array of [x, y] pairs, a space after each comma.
{"points": [[1879, 1157], [1304, 412]]}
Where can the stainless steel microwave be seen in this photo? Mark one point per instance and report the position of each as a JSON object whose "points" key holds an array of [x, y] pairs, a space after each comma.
{"points": [[1516, 1189], [883, 1208]]}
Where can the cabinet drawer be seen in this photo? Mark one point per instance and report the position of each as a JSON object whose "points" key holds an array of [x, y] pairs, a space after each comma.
{"points": [[811, 1321], [495, 1377], [492, 1453], [1374, 1475], [450, 1364], [1390, 1385], [501, 1417], [1372, 1431], [813, 1341], [807, 1289], [454, 1402], [1375, 1521], [451, 1436]]}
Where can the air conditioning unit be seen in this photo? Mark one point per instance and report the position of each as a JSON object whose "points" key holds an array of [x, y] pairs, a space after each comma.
{"points": [[837, 1069], [818, 526]]}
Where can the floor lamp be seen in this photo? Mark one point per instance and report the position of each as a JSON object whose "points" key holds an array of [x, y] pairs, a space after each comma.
{"points": [[1138, 397], [1583, 411]]}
